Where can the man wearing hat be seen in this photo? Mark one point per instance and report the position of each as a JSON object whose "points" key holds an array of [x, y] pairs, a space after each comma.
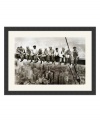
{"points": [[56, 54], [75, 55], [46, 55], [34, 54], [22, 53], [40, 55], [17, 54], [68, 56], [62, 56], [51, 54], [28, 53]]}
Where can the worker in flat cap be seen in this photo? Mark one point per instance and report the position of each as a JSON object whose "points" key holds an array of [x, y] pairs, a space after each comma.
{"points": [[75, 55], [40, 55], [34, 54], [22, 53], [51, 54], [28, 53], [17, 55], [56, 54], [68, 56], [46, 55], [62, 55]]}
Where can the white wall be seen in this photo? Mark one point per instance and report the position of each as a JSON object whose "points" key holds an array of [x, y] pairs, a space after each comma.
{"points": [[49, 108]]}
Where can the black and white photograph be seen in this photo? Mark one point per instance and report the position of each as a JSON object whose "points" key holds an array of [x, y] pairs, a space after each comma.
{"points": [[50, 60]]}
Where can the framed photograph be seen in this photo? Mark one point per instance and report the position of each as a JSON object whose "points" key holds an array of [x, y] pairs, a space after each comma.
{"points": [[50, 60]]}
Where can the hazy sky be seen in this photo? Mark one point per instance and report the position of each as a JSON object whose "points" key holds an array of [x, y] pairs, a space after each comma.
{"points": [[45, 42]]}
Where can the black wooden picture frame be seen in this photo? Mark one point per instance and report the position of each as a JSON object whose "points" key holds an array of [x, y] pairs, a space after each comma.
{"points": [[6, 57]]}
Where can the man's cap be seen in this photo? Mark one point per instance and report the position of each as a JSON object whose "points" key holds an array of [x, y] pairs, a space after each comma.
{"points": [[63, 48], [74, 47], [50, 48], [34, 46], [56, 48]]}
